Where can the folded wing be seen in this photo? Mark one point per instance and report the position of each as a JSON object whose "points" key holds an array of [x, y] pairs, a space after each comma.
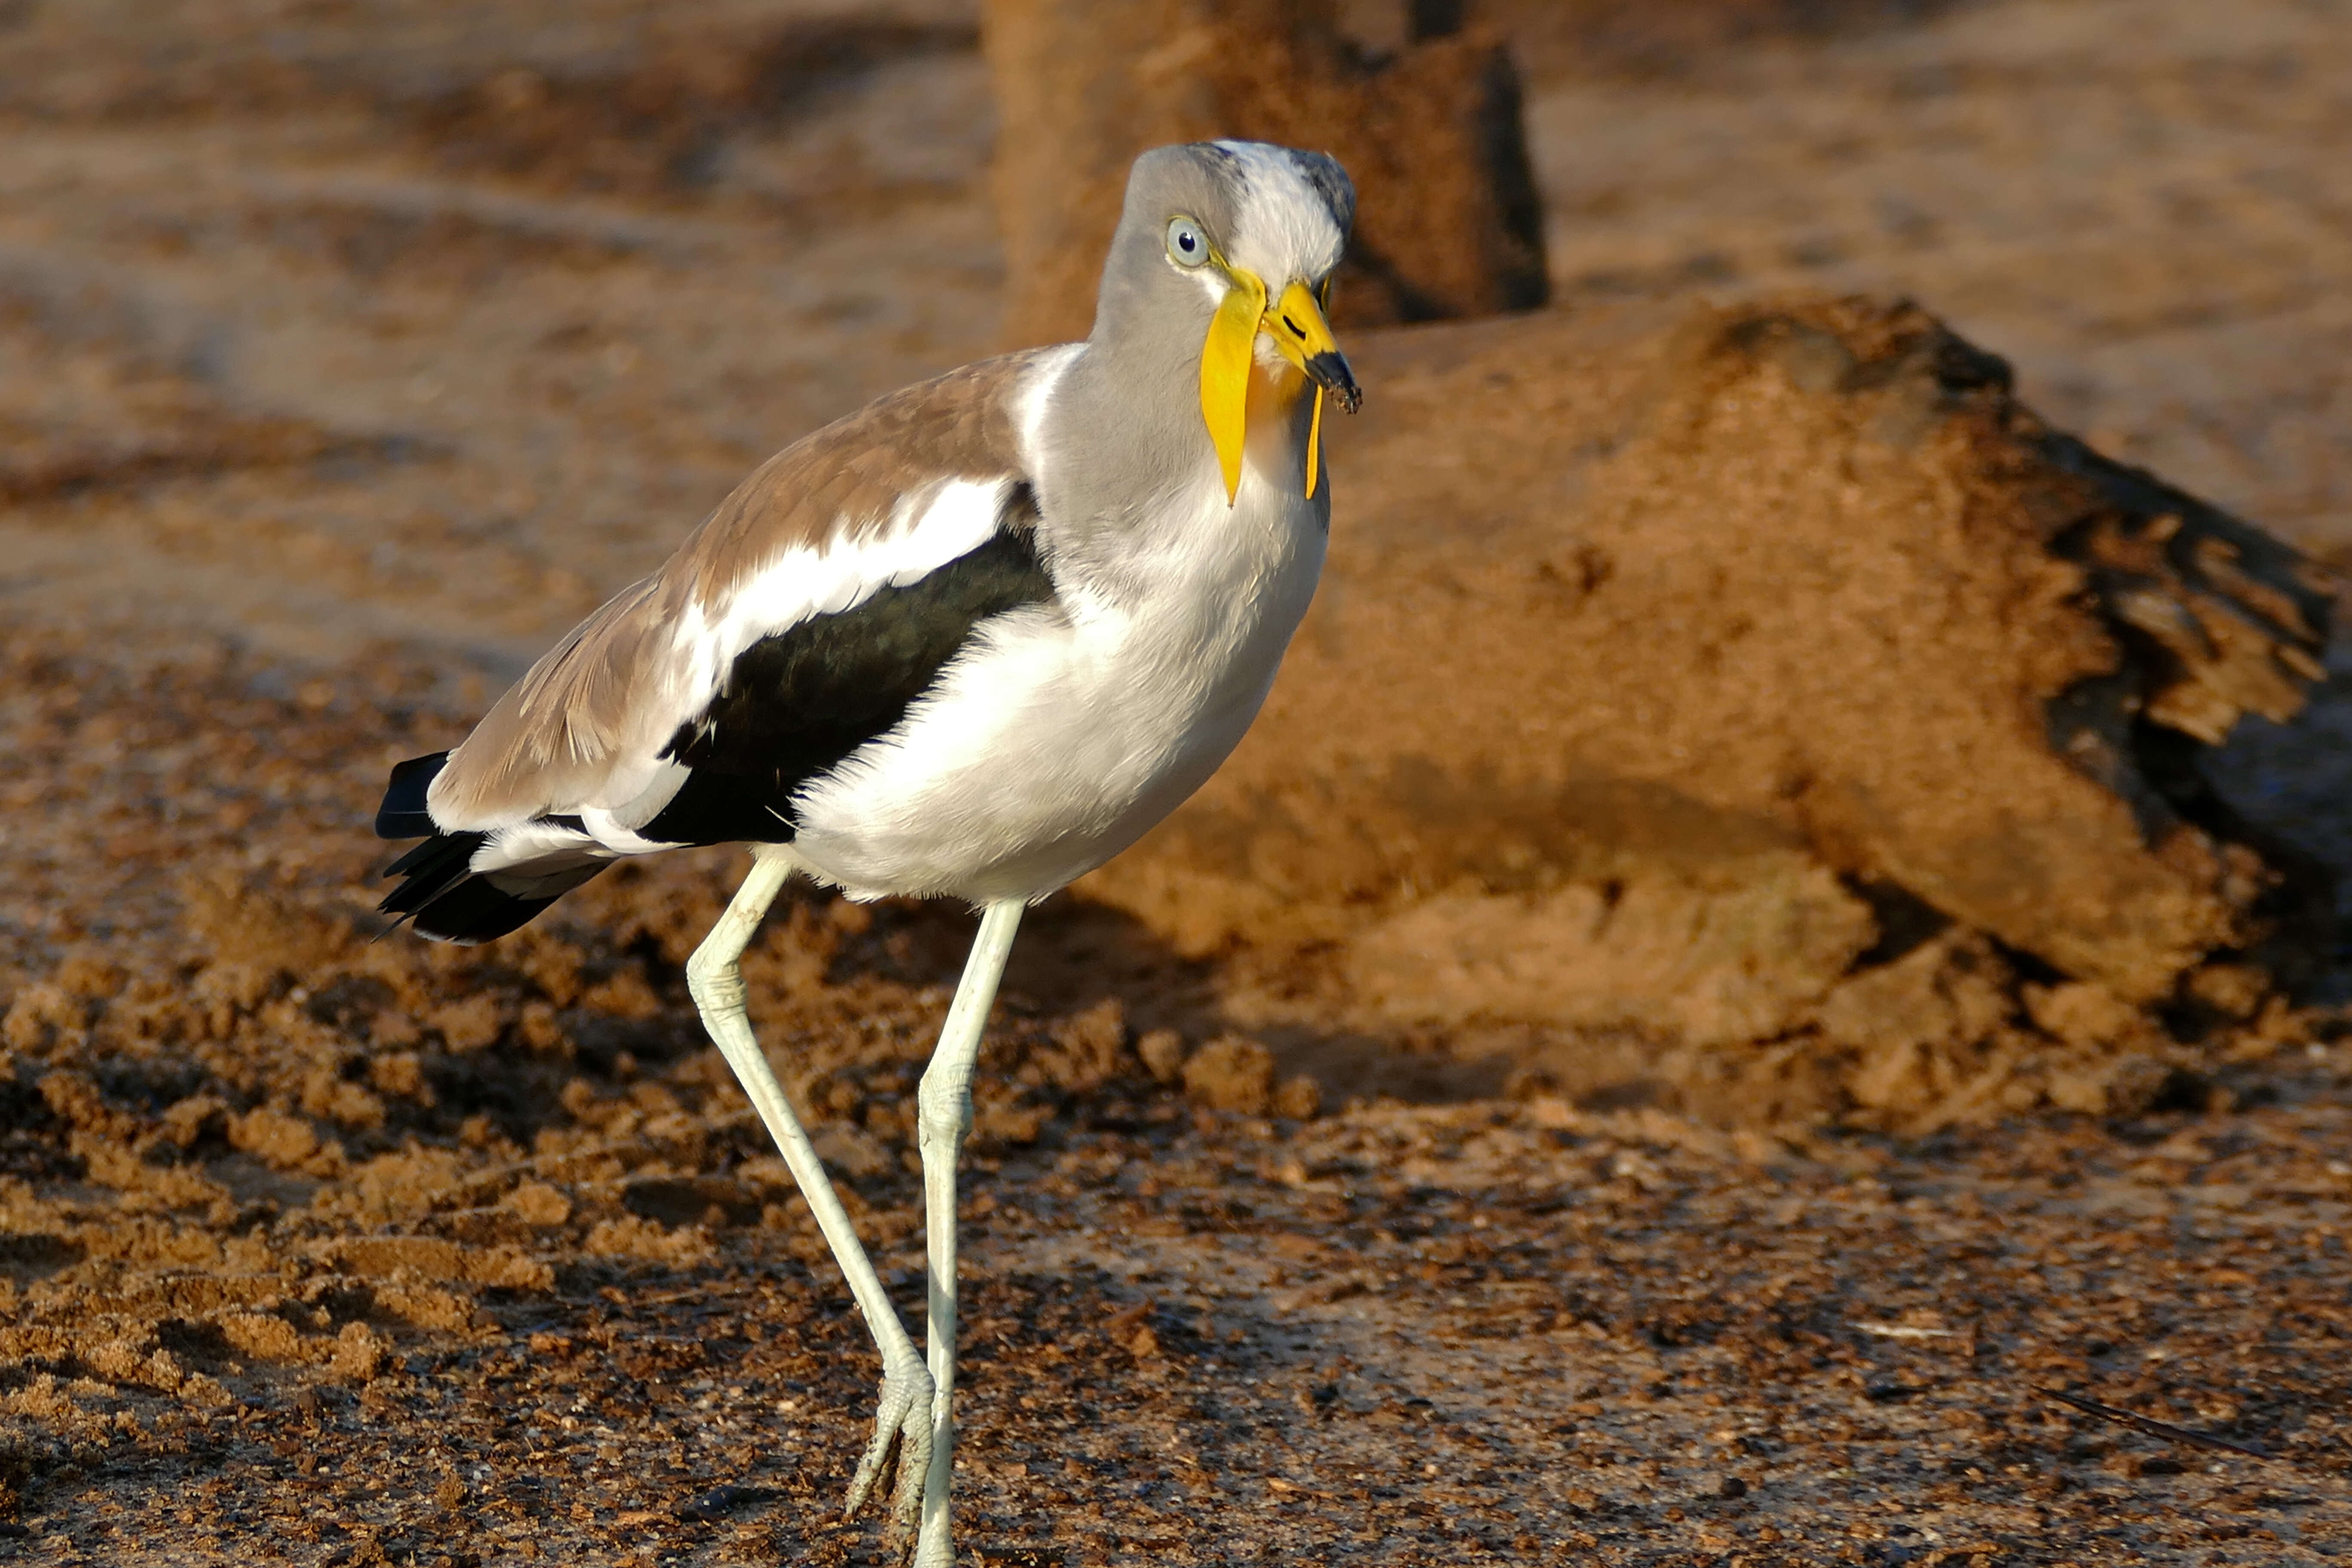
{"points": [[797, 624]]}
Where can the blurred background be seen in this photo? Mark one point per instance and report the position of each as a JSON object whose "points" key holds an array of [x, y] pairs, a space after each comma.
{"points": [[437, 321], [353, 350]]}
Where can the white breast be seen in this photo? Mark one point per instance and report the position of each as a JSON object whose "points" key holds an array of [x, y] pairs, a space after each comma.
{"points": [[1065, 732]]}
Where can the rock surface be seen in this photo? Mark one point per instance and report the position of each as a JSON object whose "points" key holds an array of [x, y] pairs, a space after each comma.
{"points": [[1695, 663]]}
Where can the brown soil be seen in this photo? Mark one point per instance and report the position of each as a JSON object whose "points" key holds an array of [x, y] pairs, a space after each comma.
{"points": [[347, 355]]}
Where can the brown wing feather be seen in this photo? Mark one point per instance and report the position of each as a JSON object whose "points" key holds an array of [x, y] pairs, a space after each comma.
{"points": [[597, 698]]}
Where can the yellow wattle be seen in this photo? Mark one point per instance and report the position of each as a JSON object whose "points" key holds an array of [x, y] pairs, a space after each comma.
{"points": [[1225, 364], [1314, 443]]}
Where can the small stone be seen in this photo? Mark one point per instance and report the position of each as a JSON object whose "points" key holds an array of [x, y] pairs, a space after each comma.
{"points": [[469, 1024], [360, 1352], [1298, 1098], [1233, 1073], [283, 1142], [2236, 991], [539, 1204], [1162, 1051], [2081, 1014], [89, 977], [263, 1336]]}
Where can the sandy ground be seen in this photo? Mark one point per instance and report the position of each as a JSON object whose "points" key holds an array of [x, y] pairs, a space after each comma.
{"points": [[347, 353]]}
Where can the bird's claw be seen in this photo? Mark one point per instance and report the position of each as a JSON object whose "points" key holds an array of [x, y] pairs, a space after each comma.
{"points": [[904, 1423]]}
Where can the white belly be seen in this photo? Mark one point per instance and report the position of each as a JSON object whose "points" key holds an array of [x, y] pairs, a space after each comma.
{"points": [[1063, 733]]}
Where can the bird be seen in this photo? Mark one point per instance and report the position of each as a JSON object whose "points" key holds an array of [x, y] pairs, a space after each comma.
{"points": [[967, 642]]}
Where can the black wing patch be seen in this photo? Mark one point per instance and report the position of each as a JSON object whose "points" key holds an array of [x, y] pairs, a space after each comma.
{"points": [[792, 706], [797, 703]]}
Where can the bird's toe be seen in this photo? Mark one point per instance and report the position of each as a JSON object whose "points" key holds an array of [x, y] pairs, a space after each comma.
{"points": [[902, 1424]]}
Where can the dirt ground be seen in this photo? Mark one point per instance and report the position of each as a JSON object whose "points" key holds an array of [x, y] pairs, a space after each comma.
{"points": [[350, 352]]}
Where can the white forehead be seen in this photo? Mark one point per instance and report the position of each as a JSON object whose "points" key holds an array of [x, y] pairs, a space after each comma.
{"points": [[1283, 227]]}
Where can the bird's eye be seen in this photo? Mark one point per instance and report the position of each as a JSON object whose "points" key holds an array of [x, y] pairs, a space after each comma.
{"points": [[1187, 245]]}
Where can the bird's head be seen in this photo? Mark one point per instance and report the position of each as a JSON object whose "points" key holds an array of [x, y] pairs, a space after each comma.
{"points": [[1232, 244]]}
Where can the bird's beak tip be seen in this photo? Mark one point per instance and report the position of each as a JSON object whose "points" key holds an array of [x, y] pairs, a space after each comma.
{"points": [[1330, 372]]}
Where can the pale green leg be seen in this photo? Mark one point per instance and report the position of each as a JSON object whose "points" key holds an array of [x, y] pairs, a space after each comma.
{"points": [[945, 1116], [910, 1409]]}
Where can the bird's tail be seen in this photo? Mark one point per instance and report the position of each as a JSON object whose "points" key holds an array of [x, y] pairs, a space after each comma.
{"points": [[440, 893]]}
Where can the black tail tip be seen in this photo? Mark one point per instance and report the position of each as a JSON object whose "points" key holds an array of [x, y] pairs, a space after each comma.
{"points": [[403, 814], [474, 912], [442, 898]]}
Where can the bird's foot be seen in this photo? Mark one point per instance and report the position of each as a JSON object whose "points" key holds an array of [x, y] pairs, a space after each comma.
{"points": [[903, 1422]]}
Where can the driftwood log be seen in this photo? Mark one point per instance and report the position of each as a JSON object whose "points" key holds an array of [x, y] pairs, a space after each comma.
{"points": [[1448, 226], [1765, 676]]}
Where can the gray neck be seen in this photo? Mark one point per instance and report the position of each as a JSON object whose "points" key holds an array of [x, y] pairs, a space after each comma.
{"points": [[1123, 439], [1126, 450]]}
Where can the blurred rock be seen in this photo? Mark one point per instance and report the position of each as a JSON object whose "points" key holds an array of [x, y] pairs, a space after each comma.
{"points": [[1299, 1098], [1231, 1073], [360, 1352], [1725, 673], [540, 1204], [1953, 990], [1448, 223], [1738, 961], [2081, 1015], [2126, 1085], [1162, 1051]]}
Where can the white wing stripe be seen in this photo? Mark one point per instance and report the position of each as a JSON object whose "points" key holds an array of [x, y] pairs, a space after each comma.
{"points": [[927, 528]]}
